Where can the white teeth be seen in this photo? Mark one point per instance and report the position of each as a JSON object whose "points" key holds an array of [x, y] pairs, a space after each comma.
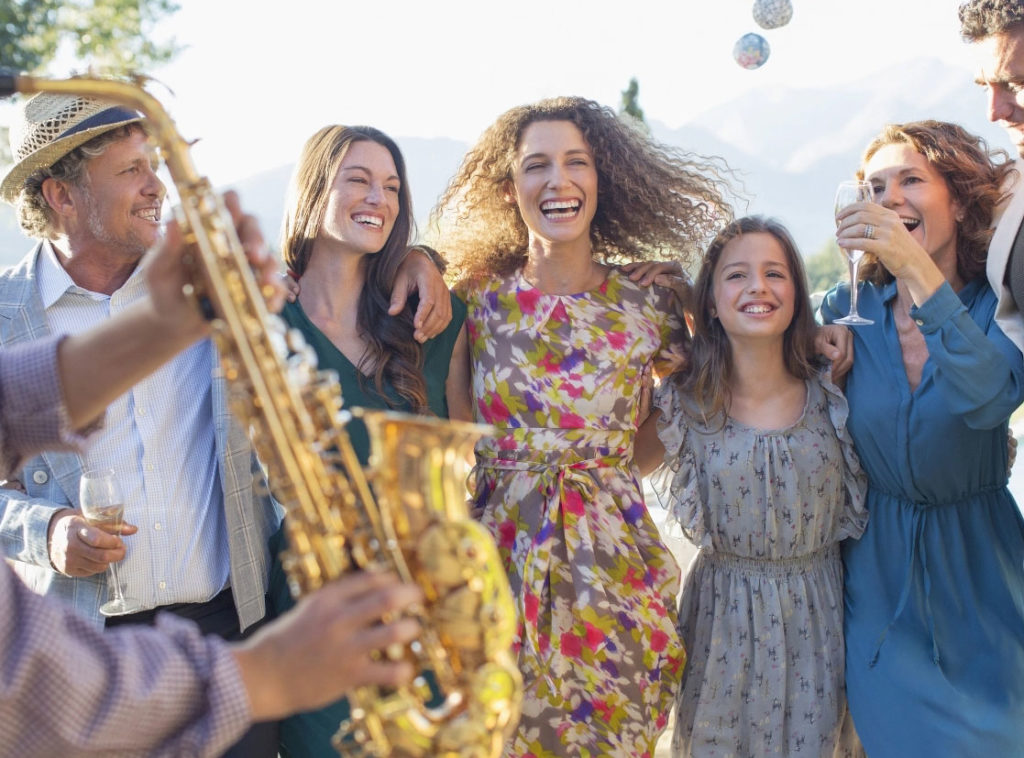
{"points": [[757, 309], [910, 223], [150, 214], [359, 218], [550, 207]]}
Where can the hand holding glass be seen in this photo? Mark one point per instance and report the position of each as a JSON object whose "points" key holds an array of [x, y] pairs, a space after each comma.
{"points": [[103, 506], [851, 192]]}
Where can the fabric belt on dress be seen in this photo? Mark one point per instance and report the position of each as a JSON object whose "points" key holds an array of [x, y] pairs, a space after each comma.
{"points": [[557, 474], [561, 472], [917, 546]]}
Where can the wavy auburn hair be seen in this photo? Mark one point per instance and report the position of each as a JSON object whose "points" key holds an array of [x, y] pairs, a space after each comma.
{"points": [[654, 201], [392, 355], [974, 176]]}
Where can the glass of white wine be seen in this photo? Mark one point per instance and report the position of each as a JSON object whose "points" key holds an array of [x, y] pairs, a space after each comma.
{"points": [[102, 505], [848, 193]]}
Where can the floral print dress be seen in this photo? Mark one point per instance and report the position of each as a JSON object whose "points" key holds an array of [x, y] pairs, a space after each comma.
{"points": [[761, 611], [559, 375]]}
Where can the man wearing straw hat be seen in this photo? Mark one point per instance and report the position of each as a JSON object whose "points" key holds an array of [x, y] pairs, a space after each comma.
{"points": [[199, 512], [84, 183]]}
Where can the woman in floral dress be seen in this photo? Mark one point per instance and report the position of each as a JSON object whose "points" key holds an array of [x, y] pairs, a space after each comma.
{"points": [[559, 340]]}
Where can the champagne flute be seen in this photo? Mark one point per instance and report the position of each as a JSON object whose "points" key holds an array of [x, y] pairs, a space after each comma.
{"points": [[102, 505], [848, 193]]}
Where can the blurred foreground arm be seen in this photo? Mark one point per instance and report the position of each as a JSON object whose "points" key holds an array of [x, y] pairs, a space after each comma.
{"points": [[69, 689]]}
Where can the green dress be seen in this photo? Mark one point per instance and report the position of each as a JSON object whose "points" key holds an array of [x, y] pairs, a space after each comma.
{"points": [[308, 735]]}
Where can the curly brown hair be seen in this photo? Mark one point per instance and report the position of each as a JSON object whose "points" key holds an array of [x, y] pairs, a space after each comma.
{"points": [[974, 175], [983, 18], [654, 201], [709, 368], [392, 355]]}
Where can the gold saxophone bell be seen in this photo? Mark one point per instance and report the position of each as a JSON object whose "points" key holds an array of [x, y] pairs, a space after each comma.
{"points": [[418, 469], [413, 522]]}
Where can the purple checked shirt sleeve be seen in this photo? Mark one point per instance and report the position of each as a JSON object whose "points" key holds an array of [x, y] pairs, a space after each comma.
{"points": [[32, 413], [67, 688]]}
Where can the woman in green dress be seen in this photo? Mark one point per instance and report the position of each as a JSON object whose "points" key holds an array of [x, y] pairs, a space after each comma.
{"points": [[347, 230]]}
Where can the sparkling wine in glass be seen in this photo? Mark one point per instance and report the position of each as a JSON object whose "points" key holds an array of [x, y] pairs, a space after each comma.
{"points": [[103, 506], [850, 192]]}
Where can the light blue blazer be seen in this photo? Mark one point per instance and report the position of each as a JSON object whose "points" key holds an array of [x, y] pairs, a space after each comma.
{"points": [[51, 481]]}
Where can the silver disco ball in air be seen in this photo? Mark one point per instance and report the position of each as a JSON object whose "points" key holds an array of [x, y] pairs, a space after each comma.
{"points": [[771, 14]]}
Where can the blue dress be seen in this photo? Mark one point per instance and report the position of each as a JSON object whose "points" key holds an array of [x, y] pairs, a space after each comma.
{"points": [[934, 597]]}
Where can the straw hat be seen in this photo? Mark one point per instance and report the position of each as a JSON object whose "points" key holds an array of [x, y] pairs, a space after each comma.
{"points": [[50, 126]]}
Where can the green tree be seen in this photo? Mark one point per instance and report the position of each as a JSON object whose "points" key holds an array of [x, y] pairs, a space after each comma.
{"points": [[630, 105], [826, 267], [111, 36]]}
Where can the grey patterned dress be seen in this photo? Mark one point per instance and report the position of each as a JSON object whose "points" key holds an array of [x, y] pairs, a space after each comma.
{"points": [[761, 612]]}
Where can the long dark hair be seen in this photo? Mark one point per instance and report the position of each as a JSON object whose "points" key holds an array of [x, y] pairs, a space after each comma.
{"points": [[708, 377], [392, 355]]}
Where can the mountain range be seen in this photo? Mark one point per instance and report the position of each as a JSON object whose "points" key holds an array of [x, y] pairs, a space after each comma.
{"points": [[787, 147]]}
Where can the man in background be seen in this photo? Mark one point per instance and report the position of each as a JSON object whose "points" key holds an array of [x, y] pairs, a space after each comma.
{"points": [[996, 29]]}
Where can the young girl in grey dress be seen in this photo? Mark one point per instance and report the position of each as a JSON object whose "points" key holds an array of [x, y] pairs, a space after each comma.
{"points": [[764, 480]]}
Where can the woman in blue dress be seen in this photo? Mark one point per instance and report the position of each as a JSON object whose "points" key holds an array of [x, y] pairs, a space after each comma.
{"points": [[934, 598]]}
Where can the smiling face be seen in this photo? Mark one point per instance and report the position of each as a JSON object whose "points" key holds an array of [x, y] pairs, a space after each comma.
{"points": [[117, 203], [904, 181], [554, 183], [753, 291], [363, 202], [1001, 72]]}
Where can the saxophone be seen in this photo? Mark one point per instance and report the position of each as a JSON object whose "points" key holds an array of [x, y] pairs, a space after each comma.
{"points": [[414, 521]]}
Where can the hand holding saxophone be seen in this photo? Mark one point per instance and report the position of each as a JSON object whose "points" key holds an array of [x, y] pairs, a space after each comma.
{"points": [[167, 276], [332, 637]]}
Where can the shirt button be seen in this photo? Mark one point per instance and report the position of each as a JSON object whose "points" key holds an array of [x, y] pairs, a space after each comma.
{"points": [[149, 467], [40, 477], [141, 411], [162, 585], [158, 526], [919, 322]]}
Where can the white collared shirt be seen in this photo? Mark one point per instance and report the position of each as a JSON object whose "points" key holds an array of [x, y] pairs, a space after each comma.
{"points": [[159, 438]]}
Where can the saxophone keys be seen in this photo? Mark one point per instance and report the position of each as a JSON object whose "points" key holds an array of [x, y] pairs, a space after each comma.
{"points": [[295, 340], [278, 343]]}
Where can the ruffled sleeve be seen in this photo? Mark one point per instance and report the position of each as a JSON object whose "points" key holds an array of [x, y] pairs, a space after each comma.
{"points": [[854, 516], [677, 481]]}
